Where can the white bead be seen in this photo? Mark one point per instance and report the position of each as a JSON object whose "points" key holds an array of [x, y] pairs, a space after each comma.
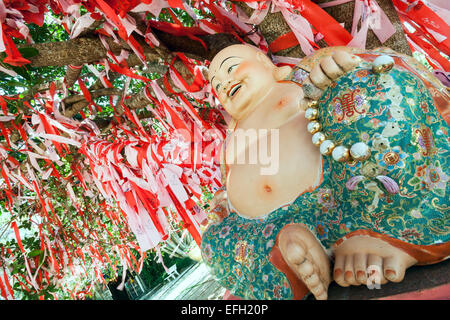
{"points": [[382, 64], [313, 127], [340, 153], [360, 151], [327, 147], [311, 113], [318, 138]]}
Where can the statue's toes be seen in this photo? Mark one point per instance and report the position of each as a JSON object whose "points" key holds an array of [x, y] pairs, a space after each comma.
{"points": [[349, 271], [345, 60], [360, 267], [393, 269], [338, 273], [306, 270], [306, 258], [316, 286], [319, 291], [295, 254], [375, 269], [367, 269]]}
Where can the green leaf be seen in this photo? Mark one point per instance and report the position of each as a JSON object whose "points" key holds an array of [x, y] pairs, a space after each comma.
{"points": [[28, 52], [16, 269], [22, 71], [41, 257], [14, 83], [34, 253], [18, 119]]}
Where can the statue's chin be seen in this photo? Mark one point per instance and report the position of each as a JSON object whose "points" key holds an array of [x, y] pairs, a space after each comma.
{"points": [[241, 109]]}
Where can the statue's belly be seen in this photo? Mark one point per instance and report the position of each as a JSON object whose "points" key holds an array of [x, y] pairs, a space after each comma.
{"points": [[289, 166]]}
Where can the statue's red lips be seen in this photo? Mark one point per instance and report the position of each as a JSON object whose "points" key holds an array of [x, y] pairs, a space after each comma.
{"points": [[233, 90]]}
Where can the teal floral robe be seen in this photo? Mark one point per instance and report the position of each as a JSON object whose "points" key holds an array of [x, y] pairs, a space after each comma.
{"points": [[400, 192]]}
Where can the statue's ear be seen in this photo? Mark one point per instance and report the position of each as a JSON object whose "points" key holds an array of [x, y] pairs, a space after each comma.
{"points": [[280, 73], [261, 57]]}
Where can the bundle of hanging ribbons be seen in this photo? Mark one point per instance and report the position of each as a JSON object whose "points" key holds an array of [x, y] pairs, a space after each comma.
{"points": [[425, 23]]}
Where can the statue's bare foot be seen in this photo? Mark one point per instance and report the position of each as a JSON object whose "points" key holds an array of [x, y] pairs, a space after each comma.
{"points": [[367, 260], [306, 257]]}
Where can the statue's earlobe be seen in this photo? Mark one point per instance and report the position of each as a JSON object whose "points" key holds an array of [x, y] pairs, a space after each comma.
{"points": [[261, 57], [280, 73]]}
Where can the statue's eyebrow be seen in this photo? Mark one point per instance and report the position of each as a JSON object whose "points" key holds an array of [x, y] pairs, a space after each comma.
{"points": [[226, 60], [222, 64]]}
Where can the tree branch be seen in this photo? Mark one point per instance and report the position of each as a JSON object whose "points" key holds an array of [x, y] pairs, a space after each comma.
{"points": [[71, 52]]}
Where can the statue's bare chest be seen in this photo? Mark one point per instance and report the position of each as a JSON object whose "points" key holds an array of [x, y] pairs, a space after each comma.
{"points": [[271, 169]]}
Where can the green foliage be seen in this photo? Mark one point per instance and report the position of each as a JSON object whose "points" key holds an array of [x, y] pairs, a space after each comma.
{"points": [[153, 273], [51, 31], [28, 77]]}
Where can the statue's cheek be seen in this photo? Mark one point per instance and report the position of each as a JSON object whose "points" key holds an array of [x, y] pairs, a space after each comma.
{"points": [[243, 68]]}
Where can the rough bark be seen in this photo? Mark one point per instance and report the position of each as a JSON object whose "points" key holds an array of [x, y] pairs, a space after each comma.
{"points": [[214, 44], [71, 52], [71, 76], [94, 94]]}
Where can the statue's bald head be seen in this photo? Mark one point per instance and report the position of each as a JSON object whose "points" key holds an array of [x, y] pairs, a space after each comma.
{"points": [[244, 51], [240, 75]]}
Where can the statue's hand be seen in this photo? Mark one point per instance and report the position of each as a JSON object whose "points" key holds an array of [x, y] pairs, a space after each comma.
{"points": [[218, 206], [328, 69]]}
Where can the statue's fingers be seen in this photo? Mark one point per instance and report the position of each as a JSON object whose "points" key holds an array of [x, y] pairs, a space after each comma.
{"points": [[331, 68], [311, 91], [319, 78], [345, 60]]}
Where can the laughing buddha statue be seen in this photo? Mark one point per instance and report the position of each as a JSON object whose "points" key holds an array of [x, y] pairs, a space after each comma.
{"points": [[360, 193]]}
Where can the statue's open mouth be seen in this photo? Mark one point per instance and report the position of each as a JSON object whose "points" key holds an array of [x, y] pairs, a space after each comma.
{"points": [[235, 88]]}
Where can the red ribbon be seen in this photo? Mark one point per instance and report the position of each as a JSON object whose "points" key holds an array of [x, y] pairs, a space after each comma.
{"points": [[424, 16], [111, 14], [4, 106], [285, 41], [14, 57], [333, 33], [17, 234]]}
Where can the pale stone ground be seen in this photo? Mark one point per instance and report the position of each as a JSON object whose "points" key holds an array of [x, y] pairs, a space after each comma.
{"points": [[195, 283]]}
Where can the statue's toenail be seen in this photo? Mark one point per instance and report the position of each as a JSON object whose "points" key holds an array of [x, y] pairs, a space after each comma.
{"points": [[390, 273], [360, 274], [337, 272], [348, 274]]}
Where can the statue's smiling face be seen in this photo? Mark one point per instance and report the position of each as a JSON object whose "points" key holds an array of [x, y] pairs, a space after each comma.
{"points": [[241, 75]]}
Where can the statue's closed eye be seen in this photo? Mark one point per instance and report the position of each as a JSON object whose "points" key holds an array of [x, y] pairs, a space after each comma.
{"points": [[232, 67]]}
